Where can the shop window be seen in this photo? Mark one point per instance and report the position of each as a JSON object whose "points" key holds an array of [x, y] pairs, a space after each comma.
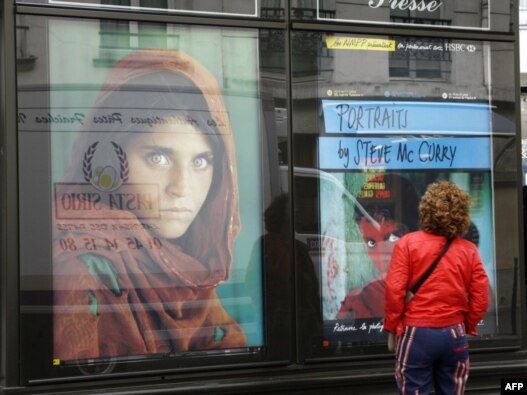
{"points": [[409, 60], [119, 37], [272, 46], [24, 58], [145, 170], [314, 53], [272, 9], [309, 9], [366, 145], [411, 63], [430, 18]]}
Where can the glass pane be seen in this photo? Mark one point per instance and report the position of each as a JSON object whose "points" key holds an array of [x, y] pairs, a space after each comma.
{"points": [[375, 121], [142, 184], [475, 14], [264, 9]]}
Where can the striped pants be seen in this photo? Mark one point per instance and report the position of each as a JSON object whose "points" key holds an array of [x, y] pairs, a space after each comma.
{"points": [[424, 355]]}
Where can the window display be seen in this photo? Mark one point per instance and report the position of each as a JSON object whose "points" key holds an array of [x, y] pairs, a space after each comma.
{"points": [[381, 138], [131, 216], [166, 224], [146, 163], [357, 252]]}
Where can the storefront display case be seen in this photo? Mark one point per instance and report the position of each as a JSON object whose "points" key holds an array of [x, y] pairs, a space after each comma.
{"points": [[204, 196]]}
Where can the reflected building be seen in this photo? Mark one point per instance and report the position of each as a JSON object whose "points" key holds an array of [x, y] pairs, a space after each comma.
{"points": [[341, 111]]}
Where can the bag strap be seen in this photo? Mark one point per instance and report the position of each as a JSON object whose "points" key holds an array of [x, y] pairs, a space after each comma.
{"points": [[431, 268]]}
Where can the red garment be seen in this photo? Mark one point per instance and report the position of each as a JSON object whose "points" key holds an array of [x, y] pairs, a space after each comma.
{"points": [[368, 301], [125, 302], [456, 292], [364, 302]]}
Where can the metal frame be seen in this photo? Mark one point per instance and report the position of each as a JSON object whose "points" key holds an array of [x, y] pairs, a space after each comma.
{"points": [[146, 16], [9, 242], [8, 200], [523, 248]]}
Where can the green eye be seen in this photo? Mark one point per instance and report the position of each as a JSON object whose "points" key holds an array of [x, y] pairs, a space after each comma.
{"points": [[202, 161], [371, 243], [158, 159]]}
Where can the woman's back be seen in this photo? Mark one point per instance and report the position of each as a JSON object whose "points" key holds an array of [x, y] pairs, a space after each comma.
{"points": [[442, 299]]}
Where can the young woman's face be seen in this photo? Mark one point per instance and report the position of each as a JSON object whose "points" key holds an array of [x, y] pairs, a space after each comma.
{"points": [[380, 241], [180, 161]]}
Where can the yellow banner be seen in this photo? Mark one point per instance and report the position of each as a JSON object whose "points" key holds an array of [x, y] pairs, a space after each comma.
{"points": [[367, 44]]}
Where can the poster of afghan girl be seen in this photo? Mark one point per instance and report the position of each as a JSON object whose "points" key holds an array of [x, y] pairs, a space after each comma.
{"points": [[146, 216]]}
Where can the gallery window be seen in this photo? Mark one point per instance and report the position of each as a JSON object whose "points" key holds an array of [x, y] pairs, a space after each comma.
{"points": [[177, 185], [142, 190], [367, 145]]}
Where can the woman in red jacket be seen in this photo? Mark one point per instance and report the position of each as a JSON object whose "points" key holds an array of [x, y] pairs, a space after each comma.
{"points": [[431, 329]]}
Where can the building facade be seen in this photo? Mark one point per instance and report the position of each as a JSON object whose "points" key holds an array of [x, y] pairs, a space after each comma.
{"points": [[523, 70], [204, 196]]}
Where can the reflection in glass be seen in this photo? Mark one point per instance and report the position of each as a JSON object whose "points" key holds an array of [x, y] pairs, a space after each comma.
{"points": [[132, 197], [376, 119], [267, 9], [413, 62], [469, 14]]}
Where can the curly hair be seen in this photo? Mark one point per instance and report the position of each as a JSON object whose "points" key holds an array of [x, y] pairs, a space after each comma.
{"points": [[444, 210]]}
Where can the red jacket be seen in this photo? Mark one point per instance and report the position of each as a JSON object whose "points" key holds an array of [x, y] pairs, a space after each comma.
{"points": [[457, 291]]}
